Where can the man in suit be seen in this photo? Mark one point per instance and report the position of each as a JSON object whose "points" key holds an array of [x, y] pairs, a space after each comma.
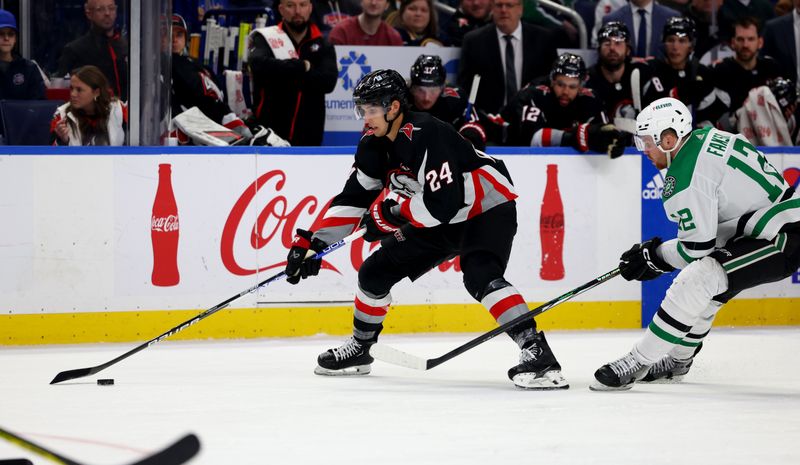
{"points": [[506, 54], [780, 41], [646, 20]]}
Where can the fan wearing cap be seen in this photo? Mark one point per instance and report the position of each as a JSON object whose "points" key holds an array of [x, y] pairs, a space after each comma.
{"points": [[681, 76], [612, 77], [194, 86], [20, 79], [738, 225], [562, 113], [430, 94]]}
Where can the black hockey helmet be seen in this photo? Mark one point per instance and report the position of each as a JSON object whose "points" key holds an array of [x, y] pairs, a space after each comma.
{"points": [[381, 87], [679, 26], [784, 91], [428, 71], [613, 30], [570, 65]]}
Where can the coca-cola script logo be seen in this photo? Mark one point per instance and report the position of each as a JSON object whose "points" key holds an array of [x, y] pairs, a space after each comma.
{"points": [[278, 220], [165, 223]]}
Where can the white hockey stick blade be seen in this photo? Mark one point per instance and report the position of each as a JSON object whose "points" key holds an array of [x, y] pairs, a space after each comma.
{"points": [[393, 356]]}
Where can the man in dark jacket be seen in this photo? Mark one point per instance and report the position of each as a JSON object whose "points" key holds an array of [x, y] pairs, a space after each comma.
{"points": [[290, 93], [102, 46]]}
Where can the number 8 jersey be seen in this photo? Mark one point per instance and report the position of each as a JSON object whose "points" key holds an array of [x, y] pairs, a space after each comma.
{"points": [[719, 187]]}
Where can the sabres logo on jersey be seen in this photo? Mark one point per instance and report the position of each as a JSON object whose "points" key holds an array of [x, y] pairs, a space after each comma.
{"points": [[408, 130], [450, 92]]}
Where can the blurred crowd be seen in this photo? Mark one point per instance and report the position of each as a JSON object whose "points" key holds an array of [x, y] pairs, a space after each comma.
{"points": [[733, 62]]}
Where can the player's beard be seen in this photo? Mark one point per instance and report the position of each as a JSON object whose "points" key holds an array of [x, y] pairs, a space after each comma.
{"points": [[297, 28], [612, 64]]}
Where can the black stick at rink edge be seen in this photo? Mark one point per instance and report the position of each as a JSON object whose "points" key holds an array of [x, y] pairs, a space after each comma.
{"points": [[175, 454], [82, 372], [396, 357]]}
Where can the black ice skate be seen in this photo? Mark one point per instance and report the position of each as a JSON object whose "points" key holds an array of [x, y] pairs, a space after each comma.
{"points": [[619, 375], [351, 358], [538, 367], [669, 369]]}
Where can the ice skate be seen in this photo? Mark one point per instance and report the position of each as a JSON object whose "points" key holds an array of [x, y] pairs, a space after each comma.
{"points": [[619, 375], [669, 369], [350, 359], [538, 367]]}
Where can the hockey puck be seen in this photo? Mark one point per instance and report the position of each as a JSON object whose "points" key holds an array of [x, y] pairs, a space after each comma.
{"points": [[105, 382]]}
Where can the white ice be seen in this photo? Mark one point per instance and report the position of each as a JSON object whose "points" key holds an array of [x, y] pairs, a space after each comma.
{"points": [[258, 402]]}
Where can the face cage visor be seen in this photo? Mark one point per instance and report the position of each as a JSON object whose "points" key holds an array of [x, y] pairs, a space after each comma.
{"points": [[645, 142], [368, 110]]}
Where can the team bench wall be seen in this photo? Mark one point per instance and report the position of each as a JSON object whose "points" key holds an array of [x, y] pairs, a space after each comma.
{"points": [[76, 256]]}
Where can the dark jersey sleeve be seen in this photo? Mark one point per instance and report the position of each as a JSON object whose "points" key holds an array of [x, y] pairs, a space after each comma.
{"points": [[525, 116]]}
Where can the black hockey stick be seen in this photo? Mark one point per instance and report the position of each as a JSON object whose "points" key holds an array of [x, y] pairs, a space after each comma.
{"points": [[396, 357], [175, 454], [81, 372]]}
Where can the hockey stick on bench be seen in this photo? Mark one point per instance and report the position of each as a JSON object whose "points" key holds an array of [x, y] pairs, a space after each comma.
{"points": [[81, 372], [175, 454], [393, 356]]}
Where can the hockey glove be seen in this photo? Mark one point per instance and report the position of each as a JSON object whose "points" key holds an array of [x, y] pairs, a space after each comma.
{"points": [[299, 264], [642, 263], [473, 132], [403, 183], [381, 221], [267, 137], [598, 137]]}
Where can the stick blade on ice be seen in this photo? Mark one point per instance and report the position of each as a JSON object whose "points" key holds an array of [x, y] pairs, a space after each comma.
{"points": [[179, 452], [73, 374]]}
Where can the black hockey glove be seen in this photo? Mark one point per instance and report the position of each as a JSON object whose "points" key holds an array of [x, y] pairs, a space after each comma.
{"points": [[600, 137], [642, 263], [473, 132], [380, 221], [304, 245]]}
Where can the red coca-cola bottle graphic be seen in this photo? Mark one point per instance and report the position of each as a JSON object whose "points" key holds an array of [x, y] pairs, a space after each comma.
{"points": [[164, 231], [551, 229]]}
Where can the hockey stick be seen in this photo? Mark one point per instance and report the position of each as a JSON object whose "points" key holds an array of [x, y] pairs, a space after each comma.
{"points": [[396, 357], [175, 454], [81, 372], [473, 94]]}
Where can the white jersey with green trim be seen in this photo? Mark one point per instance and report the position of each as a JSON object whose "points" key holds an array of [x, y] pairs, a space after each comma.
{"points": [[718, 187]]}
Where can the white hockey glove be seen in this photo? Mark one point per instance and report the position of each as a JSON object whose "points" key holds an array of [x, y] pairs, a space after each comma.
{"points": [[266, 136], [403, 183]]}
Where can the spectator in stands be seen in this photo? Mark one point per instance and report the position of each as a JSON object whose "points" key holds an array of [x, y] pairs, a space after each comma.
{"points": [[290, 93], [732, 10], [680, 75], [563, 113], [368, 28], [612, 78], [102, 46], [326, 14], [507, 54], [20, 79], [780, 42], [417, 23], [92, 116], [646, 20], [470, 15], [194, 86], [735, 76], [701, 12], [602, 9]]}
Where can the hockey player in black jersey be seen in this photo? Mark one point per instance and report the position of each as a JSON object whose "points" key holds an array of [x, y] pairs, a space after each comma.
{"points": [[424, 191], [563, 113], [449, 104], [681, 76], [615, 75]]}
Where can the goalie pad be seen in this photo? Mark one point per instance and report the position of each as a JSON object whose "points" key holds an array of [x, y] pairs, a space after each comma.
{"points": [[203, 131]]}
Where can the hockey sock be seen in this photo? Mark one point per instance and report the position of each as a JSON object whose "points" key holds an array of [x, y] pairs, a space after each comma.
{"points": [[505, 303], [368, 314]]}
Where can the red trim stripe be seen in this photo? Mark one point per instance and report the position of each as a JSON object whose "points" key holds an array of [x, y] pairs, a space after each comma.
{"points": [[370, 310], [499, 187], [477, 206], [338, 221], [547, 134], [294, 117], [500, 307], [405, 212]]}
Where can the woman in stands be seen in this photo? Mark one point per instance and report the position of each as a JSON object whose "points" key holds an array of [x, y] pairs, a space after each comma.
{"points": [[92, 116], [20, 79], [417, 23]]}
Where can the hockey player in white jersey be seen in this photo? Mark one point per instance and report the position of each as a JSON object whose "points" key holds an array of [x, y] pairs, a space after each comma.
{"points": [[738, 227]]}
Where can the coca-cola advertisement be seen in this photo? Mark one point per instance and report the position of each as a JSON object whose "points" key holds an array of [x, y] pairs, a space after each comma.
{"points": [[165, 231]]}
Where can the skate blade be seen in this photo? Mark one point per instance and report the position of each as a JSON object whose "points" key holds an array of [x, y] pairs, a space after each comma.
{"points": [[600, 387], [665, 380], [548, 381], [358, 370]]}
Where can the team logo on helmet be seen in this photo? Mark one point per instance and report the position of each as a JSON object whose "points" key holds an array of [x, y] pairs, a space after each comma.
{"points": [[669, 187], [408, 129]]}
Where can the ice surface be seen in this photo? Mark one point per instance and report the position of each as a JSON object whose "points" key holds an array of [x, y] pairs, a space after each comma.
{"points": [[258, 402]]}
